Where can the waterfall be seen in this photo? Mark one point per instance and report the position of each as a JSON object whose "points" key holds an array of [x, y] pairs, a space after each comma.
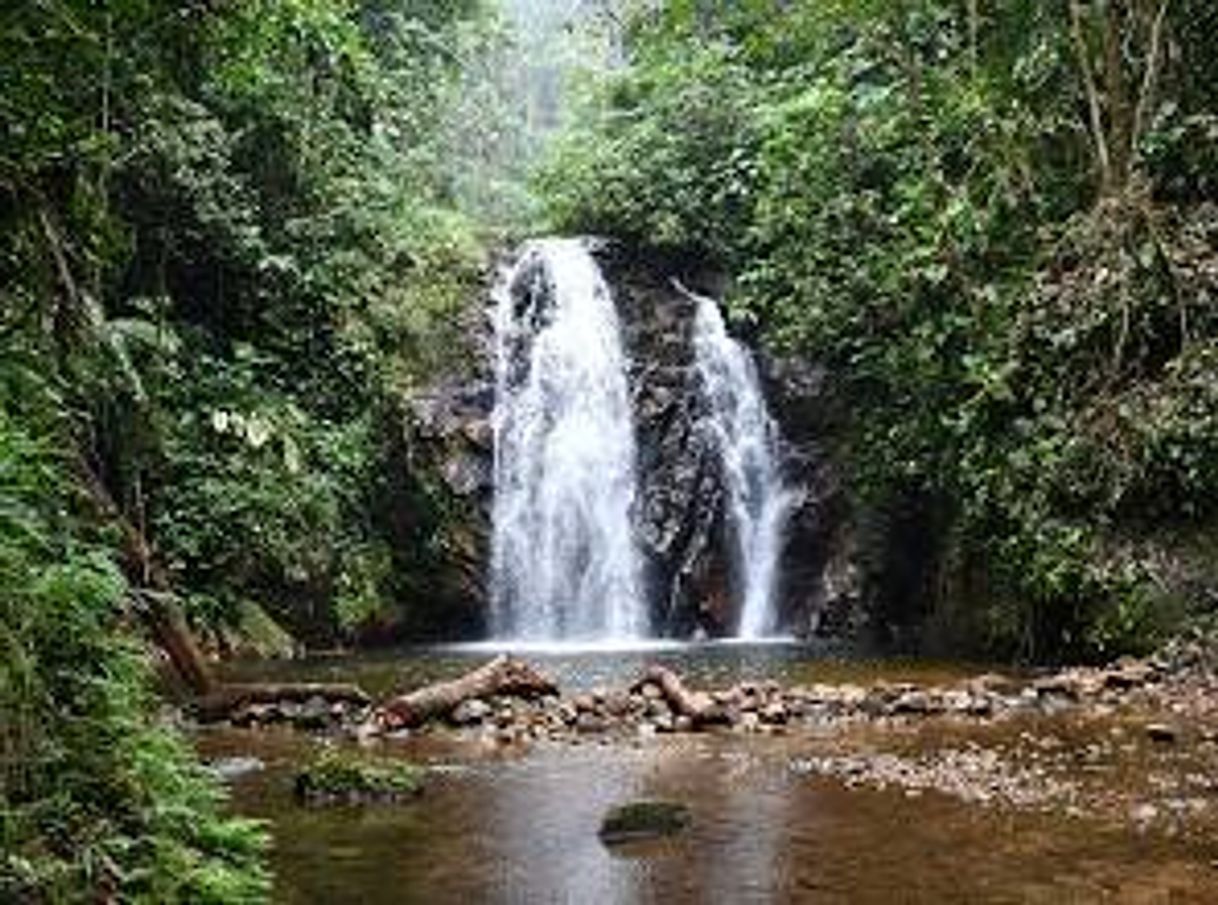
{"points": [[746, 439], [563, 561]]}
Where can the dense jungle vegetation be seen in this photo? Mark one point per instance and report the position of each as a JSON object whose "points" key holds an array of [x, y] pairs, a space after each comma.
{"points": [[995, 224], [233, 236], [237, 235]]}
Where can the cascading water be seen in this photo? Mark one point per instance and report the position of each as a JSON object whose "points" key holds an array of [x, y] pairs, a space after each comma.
{"points": [[746, 439], [563, 563]]}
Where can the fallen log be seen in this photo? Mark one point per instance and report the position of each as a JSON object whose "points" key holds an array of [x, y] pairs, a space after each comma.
{"points": [[502, 676], [227, 699], [698, 706]]}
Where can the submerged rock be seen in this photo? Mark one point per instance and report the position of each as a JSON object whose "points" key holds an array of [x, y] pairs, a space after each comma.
{"points": [[640, 820], [337, 777], [227, 769]]}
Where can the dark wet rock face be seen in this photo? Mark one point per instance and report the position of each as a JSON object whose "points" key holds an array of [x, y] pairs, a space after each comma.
{"points": [[456, 416], [441, 491], [682, 498], [821, 593], [680, 503]]}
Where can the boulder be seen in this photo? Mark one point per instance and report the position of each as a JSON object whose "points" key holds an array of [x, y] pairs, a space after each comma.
{"points": [[471, 712], [775, 714], [1162, 733], [641, 820]]}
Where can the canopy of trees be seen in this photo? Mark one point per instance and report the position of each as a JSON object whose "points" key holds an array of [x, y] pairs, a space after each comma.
{"points": [[995, 223], [230, 240]]}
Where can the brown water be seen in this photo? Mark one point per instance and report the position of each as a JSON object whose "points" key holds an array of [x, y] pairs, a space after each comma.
{"points": [[520, 827]]}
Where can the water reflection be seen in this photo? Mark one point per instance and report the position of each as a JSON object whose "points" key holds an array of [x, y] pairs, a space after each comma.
{"points": [[544, 840], [538, 832], [524, 831]]}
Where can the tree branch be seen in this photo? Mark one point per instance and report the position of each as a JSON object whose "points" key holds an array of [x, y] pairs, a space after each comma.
{"points": [[1093, 96], [974, 27], [1150, 78]]}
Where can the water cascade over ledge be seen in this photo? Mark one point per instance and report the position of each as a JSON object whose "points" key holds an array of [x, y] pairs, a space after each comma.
{"points": [[746, 440], [563, 560]]}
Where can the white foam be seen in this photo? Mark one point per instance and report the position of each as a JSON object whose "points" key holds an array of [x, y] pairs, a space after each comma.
{"points": [[563, 561], [576, 648]]}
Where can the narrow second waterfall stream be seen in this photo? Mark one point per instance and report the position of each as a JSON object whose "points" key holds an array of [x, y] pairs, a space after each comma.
{"points": [[746, 439]]}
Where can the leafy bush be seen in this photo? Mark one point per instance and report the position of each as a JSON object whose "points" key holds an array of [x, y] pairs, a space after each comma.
{"points": [[229, 241], [239, 269], [98, 800]]}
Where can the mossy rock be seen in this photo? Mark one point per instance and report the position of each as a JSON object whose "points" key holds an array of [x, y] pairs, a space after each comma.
{"points": [[342, 777], [640, 820]]}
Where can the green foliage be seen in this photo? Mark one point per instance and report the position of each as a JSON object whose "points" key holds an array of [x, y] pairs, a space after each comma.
{"points": [[230, 240], [675, 166], [332, 268], [251, 501], [916, 195], [234, 235], [96, 799]]}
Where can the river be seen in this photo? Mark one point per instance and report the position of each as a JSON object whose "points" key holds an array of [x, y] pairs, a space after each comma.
{"points": [[519, 823]]}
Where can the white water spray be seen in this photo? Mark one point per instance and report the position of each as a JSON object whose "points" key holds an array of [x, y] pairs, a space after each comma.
{"points": [[746, 439], [563, 564]]}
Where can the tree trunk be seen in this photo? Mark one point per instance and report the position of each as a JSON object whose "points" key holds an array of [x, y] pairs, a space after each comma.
{"points": [[1094, 109], [1120, 116], [974, 29], [501, 676], [1150, 77], [158, 606], [173, 636], [696, 705]]}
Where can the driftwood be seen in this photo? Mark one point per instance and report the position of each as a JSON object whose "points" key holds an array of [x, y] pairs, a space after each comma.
{"points": [[226, 699], [698, 706], [501, 676]]}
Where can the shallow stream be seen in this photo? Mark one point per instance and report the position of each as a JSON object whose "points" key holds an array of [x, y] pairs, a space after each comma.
{"points": [[520, 824]]}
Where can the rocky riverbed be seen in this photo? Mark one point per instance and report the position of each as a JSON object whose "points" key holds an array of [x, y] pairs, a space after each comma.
{"points": [[1179, 686], [1135, 742]]}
